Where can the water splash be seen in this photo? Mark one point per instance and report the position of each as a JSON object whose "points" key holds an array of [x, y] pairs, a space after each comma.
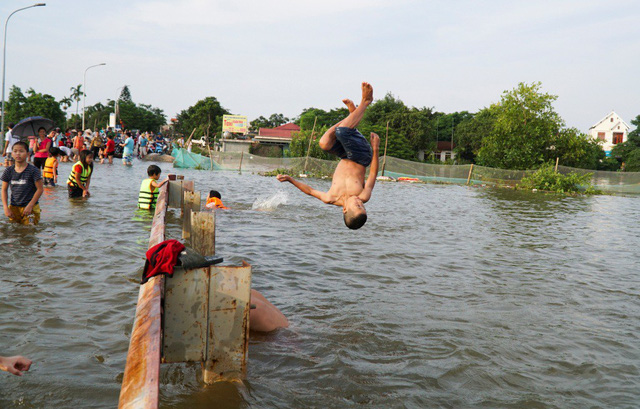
{"points": [[270, 203]]}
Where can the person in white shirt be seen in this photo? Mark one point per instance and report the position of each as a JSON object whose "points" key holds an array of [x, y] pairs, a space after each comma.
{"points": [[9, 141]]}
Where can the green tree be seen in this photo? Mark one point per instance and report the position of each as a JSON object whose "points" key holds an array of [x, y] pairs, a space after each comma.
{"points": [[471, 131], [300, 144], [632, 164], [576, 149], [205, 115], [624, 152], [524, 130], [20, 106], [76, 95], [125, 94]]}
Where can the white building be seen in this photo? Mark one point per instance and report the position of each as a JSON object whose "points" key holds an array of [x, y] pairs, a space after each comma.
{"points": [[611, 130]]}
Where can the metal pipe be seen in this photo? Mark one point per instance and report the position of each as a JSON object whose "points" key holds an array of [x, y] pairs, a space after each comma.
{"points": [[4, 60], [84, 83]]}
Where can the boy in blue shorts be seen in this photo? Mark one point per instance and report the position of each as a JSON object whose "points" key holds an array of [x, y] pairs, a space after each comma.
{"points": [[25, 181], [127, 153], [348, 188]]}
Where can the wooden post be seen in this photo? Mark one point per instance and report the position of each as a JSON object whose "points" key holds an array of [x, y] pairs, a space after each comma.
{"points": [[189, 139], [386, 141], [557, 160], [240, 167], [191, 203], [470, 172], [210, 156], [309, 148]]}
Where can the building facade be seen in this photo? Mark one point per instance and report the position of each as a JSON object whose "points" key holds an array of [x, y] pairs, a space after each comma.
{"points": [[611, 130]]}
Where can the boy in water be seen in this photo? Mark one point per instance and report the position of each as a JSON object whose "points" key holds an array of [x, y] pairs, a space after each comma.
{"points": [[50, 171], [26, 187], [150, 188], [348, 188], [214, 201]]}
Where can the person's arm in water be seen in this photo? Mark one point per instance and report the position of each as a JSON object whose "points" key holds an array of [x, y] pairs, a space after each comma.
{"points": [[5, 199], [14, 364], [365, 195], [55, 171], [306, 189], [39, 189], [85, 188]]}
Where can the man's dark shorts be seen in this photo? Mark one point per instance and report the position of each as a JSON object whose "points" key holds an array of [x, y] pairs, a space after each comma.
{"points": [[350, 144]]}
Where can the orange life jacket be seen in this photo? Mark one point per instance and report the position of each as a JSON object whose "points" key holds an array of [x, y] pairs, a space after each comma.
{"points": [[50, 167], [214, 203]]}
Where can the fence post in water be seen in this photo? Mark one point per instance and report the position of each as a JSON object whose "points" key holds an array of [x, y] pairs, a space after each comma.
{"points": [[557, 160], [386, 141], [470, 172], [210, 156], [240, 167], [191, 203], [309, 148]]}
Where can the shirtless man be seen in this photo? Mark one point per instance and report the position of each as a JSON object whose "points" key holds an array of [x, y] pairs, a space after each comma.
{"points": [[348, 188]]}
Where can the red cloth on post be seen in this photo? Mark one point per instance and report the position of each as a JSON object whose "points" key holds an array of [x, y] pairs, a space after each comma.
{"points": [[161, 259]]}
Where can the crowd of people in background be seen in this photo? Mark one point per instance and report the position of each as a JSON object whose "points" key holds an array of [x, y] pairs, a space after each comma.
{"points": [[105, 144]]}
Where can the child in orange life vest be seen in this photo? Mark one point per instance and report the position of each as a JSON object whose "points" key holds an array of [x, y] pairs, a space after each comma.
{"points": [[150, 188], [214, 201], [50, 171]]}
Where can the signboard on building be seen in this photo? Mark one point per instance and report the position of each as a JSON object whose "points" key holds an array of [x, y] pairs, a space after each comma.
{"points": [[235, 124], [112, 120]]}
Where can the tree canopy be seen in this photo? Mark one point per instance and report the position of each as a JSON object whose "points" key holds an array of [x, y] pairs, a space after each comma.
{"points": [[20, 106], [205, 115]]}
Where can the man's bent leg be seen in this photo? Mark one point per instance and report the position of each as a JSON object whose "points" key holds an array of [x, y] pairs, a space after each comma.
{"points": [[356, 116]]}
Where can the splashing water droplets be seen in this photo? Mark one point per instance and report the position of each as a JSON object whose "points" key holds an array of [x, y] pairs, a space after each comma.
{"points": [[271, 202]]}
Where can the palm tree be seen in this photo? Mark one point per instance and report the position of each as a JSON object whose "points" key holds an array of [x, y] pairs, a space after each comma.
{"points": [[76, 94], [66, 102]]}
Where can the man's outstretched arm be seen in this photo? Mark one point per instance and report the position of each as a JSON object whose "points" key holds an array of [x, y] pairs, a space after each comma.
{"points": [[306, 189], [373, 170]]}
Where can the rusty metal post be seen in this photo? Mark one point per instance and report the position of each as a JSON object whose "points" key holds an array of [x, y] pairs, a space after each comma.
{"points": [[191, 204], [228, 330]]}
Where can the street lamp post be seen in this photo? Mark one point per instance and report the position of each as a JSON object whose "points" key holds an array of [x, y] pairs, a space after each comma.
{"points": [[84, 84], [4, 60]]}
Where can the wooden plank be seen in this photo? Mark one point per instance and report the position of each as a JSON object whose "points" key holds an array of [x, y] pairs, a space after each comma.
{"points": [[140, 384]]}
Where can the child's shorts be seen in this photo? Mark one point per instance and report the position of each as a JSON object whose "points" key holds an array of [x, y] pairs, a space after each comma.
{"points": [[18, 217], [49, 182], [74, 192], [128, 158], [350, 144]]}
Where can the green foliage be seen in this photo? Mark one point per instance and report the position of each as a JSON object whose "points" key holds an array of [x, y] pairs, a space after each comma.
{"points": [[524, 130], [632, 164], [76, 95], [20, 106], [125, 94], [576, 149], [141, 116], [205, 115], [300, 144], [324, 118], [547, 179], [273, 121], [471, 130]]}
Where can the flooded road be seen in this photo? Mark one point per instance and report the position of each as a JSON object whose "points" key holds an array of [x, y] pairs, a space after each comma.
{"points": [[449, 297]]}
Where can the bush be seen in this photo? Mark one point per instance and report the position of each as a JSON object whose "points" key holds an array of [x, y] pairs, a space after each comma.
{"points": [[547, 179]]}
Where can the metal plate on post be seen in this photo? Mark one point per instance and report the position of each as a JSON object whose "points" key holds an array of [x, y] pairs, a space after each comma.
{"points": [[228, 337], [191, 204], [186, 301]]}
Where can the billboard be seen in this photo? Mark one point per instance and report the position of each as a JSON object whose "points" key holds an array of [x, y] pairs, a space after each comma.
{"points": [[235, 124]]}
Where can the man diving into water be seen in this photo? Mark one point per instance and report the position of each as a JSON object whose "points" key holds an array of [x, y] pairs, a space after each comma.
{"points": [[348, 188]]}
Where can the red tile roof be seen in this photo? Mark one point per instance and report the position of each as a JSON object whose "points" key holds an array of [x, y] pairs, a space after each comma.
{"points": [[282, 131]]}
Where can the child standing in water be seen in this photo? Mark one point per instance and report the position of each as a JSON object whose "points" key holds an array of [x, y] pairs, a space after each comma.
{"points": [[80, 177], [50, 172], [150, 188], [348, 188], [214, 201], [26, 185]]}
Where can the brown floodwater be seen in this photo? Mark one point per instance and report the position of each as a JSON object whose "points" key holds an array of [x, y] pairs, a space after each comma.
{"points": [[449, 297]]}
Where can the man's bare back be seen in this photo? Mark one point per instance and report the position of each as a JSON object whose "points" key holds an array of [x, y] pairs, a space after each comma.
{"points": [[348, 188]]}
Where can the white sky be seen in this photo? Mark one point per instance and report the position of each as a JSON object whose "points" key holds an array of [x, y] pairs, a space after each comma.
{"points": [[259, 57]]}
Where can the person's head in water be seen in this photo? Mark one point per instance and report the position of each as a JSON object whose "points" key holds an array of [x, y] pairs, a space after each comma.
{"points": [[154, 172], [215, 193], [355, 215]]}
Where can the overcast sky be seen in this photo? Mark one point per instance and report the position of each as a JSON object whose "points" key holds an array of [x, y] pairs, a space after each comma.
{"points": [[260, 56]]}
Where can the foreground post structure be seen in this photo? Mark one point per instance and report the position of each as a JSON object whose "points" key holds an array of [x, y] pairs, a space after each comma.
{"points": [[198, 315]]}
